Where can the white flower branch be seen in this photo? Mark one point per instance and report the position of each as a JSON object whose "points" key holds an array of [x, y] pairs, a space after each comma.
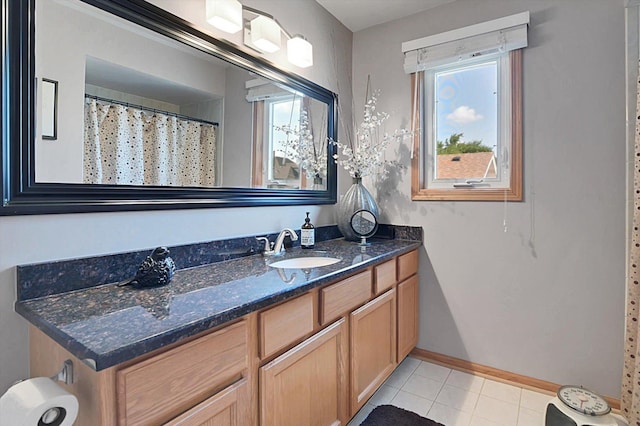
{"points": [[300, 145], [365, 156]]}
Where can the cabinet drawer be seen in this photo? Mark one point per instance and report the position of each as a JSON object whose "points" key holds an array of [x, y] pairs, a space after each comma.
{"points": [[384, 276], [286, 323], [407, 265], [344, 296], [224, 408], [160, 388]]}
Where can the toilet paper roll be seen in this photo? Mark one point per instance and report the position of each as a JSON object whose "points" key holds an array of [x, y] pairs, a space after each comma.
{"points": [[37, 402]]}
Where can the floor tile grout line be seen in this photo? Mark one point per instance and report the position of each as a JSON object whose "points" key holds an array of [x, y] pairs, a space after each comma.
{"points": [[442, 383], [505, 402]]}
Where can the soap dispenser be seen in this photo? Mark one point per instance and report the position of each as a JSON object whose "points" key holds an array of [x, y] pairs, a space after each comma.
{"points": [[307, 234]]}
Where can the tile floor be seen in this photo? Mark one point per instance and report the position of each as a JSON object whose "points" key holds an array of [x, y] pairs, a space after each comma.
{"points": [[454, 398]]}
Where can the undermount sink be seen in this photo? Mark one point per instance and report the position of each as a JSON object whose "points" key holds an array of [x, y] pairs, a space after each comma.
{"points": [[305, 262]]}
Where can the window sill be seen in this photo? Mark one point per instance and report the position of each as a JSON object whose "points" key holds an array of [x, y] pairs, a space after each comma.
{"points": [[469, 194]]}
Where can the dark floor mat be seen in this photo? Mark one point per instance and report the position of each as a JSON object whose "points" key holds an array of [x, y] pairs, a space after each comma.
{"points": [[388, 415]]}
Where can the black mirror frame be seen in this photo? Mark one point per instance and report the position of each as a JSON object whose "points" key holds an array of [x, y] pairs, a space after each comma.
{"points": [[22, 195]]}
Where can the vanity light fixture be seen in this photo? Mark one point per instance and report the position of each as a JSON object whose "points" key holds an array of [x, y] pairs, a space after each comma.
{"points": [[265, 34], [299, 51], [225, 15], [262, 32]]}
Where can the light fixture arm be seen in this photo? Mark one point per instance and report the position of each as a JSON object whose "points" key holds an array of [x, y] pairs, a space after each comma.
{"points": [[257, 12]]}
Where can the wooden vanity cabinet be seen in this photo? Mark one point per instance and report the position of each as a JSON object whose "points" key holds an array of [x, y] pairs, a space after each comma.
{"points": [[307, 384], [314, 360], [373, 347]]}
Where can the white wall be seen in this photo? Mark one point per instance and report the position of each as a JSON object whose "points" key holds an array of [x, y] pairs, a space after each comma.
{"points": [[546, 297], [28, 239]]}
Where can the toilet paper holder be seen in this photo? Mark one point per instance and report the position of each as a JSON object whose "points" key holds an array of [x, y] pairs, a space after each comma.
{"points": [[65, 374]]}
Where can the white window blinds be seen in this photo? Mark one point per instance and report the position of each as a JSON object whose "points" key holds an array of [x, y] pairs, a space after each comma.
{"points": [[260, 90], [499, 35]]}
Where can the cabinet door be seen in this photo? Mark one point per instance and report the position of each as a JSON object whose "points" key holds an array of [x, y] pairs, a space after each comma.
{"points": [[373, 347], [227, 408], [306, 385], [407, 316]]}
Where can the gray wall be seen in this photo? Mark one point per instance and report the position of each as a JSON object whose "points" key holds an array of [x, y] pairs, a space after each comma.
{"points": [[28, 239], [546, 297]]}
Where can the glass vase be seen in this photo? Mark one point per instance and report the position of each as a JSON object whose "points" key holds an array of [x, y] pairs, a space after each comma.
{"points": [[356, 198]]}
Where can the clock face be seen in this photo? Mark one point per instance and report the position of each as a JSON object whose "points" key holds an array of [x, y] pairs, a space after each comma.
{"points": [[583, 400], [364, 223]]}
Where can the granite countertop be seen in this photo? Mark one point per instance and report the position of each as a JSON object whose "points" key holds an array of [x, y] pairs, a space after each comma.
{"points": [[107, 325]]}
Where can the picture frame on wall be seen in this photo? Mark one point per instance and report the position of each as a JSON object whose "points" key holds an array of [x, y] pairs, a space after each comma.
{"points": [[49, 109]]}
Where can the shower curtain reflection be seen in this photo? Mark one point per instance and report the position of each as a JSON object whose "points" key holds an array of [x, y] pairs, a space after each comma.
{"points": [[124, 145]]}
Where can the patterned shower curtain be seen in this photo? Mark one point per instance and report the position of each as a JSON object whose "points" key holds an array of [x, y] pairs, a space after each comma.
{"points": [[630, 400], [128, 146]]}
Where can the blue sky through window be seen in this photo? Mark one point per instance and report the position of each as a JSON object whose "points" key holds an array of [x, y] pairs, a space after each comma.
{"points": [[467, 102]]}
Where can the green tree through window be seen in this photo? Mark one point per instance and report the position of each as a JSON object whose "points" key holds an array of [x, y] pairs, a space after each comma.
{"points": [[452, 145]]}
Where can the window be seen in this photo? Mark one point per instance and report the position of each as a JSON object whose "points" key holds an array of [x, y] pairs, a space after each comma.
{"points": [[466, 87], [282, 162], [276, 154]]}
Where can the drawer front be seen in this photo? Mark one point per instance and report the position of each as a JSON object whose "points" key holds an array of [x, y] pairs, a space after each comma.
{"points": [[407, 265], [223, 409], [384, 276], [344, 296], [160, 388], [286, 323]]}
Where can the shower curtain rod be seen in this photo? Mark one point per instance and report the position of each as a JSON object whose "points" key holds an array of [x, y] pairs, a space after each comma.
{"points": [[144, 108]]}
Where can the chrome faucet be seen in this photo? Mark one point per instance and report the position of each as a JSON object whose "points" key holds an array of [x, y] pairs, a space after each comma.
{"points": [[278, 246]]}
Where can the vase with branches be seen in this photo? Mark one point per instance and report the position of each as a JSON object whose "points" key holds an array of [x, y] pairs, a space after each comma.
{"points": [[361, 155]]}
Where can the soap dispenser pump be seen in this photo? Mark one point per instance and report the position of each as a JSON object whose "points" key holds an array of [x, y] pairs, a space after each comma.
{"points": [[307, 234]]}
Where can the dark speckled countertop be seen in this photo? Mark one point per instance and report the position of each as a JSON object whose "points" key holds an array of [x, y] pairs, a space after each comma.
{"points": [[107, 325]]}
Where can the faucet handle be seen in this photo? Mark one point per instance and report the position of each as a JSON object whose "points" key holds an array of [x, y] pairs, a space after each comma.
{"points": [[267, 244]]}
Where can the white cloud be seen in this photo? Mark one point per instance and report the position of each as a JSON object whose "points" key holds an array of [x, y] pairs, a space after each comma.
{"points": [[463, 115]]}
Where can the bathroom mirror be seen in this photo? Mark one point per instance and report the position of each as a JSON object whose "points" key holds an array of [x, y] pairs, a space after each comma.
{"points": [[153, 114]]}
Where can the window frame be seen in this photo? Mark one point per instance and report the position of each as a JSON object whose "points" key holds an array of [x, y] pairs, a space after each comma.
{"points": [[262, 146], [269, 131], [419, 184]]}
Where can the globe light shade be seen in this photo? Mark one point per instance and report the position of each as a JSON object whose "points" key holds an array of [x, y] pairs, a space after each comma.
{"points": [[225, 15], [265, 34], [300, 51]]}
